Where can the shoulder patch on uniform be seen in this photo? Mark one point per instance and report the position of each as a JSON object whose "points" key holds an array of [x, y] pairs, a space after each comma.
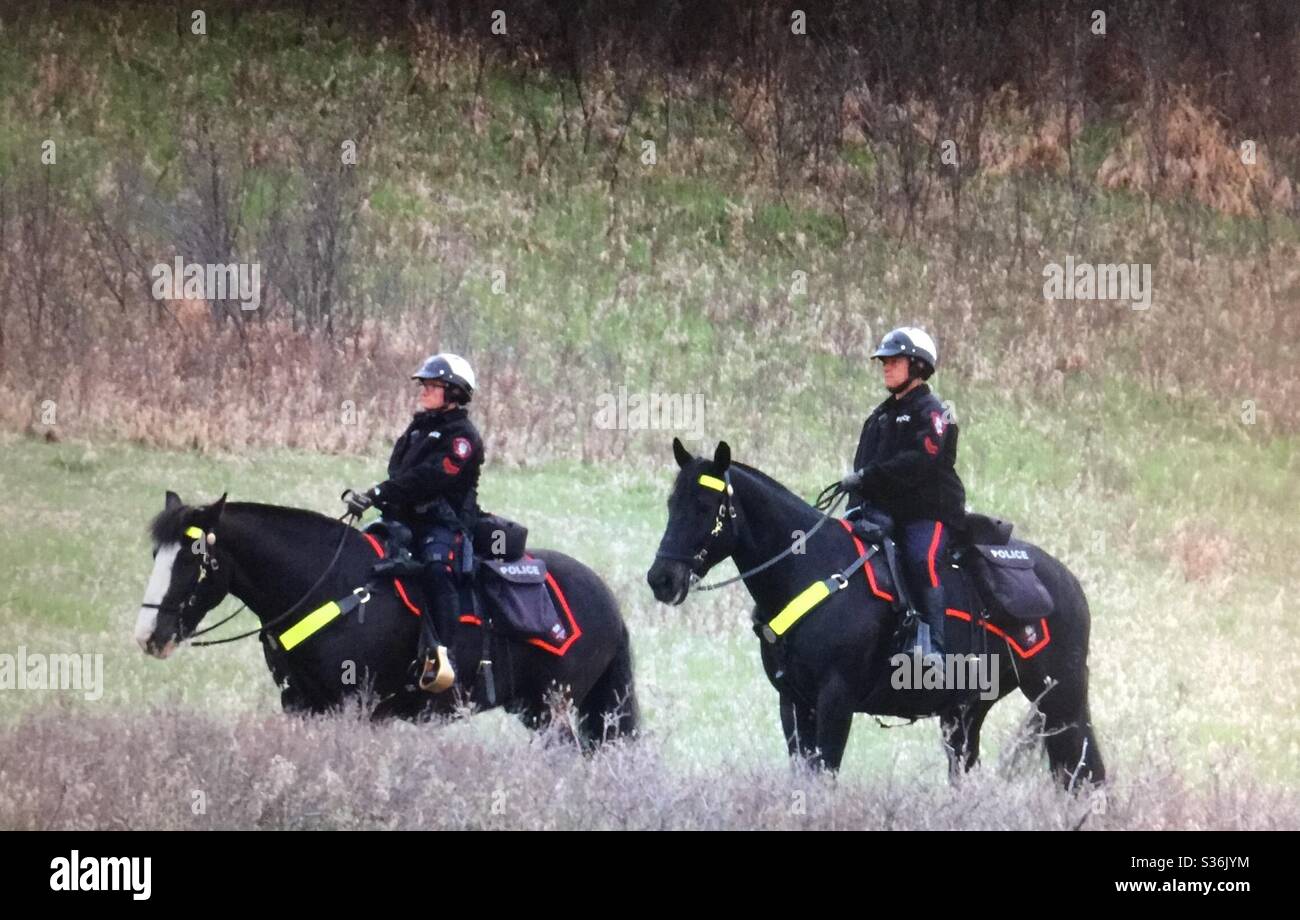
{"points": [[936, 418], [462, 448]]}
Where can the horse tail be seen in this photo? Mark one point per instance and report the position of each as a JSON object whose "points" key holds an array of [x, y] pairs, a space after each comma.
{"points": [[1058, 679], [610, 710]]}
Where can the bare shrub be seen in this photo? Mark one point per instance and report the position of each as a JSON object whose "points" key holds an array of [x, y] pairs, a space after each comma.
{"points": [[179, 769]]}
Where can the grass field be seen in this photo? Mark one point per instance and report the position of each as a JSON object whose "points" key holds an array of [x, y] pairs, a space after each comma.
{"points": [[1194, 667]]}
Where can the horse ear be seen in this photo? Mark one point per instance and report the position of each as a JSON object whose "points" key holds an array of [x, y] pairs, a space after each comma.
{"points": [[681, 454], [171, 501], [721, 457], [212, 513]]}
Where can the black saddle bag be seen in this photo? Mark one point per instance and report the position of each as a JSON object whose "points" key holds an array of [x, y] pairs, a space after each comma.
{"points": [[1008, 583], [520, 600], [496, 537]]}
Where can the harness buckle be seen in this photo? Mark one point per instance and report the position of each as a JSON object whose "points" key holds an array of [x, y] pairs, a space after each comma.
{"points": [[840, 581], [363, 590]]}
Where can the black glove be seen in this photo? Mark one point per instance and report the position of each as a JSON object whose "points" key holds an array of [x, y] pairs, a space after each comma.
{"points": [[852, 482], [358, 502]]}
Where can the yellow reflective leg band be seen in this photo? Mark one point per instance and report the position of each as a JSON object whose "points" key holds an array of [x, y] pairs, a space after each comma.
{"points": [[309, 624], [804, 601]]}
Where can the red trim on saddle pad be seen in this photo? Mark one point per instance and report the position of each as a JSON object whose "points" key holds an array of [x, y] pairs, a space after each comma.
{"points": [[952, 612], [575, 631], [868, 568], [397, 582], [1022, 652]]}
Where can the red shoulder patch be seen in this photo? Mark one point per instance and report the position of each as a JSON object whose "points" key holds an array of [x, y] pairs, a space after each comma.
{"points": [[931, 448], [462, 448]]}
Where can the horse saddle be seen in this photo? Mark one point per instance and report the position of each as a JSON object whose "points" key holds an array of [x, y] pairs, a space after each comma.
{"points": [[395, 540], [510, 589], [494, 537], [874, 526], [1000, 569]]}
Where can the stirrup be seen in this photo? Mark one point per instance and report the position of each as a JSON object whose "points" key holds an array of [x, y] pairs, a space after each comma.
{"points": [[925, 645], [438, 674]]}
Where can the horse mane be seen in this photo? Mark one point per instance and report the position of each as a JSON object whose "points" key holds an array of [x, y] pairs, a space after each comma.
{"points": [[169, 525], [782, 491], [768, 480]]}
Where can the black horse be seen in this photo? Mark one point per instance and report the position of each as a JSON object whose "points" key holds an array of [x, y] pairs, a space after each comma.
{"points": [[840, 658], [270, 557]]}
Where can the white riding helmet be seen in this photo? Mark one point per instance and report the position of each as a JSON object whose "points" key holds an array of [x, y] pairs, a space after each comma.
{"points": [[910, 341], [453, 369]]}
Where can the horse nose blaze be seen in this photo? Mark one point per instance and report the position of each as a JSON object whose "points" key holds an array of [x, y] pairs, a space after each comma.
{"points": [[160, 578]]}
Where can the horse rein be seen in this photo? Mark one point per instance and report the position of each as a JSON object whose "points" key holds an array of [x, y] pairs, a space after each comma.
{"points": [[827, 499], [206, 566]]}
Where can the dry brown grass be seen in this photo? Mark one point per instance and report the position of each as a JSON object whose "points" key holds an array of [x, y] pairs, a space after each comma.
{"points": [[179, 769], [1202, 553], [1185, 151], [190, 384], [884, 236]]}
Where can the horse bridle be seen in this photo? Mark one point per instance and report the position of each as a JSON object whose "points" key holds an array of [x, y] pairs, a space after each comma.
{"points": [[826, 501], [209, 564], [726, 512]]}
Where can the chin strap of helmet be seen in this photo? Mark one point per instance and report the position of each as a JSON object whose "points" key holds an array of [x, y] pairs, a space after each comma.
{"points": [[915, 371]]}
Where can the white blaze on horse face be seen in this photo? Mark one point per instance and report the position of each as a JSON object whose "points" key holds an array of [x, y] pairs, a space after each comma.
{"points": [[155, 591]]}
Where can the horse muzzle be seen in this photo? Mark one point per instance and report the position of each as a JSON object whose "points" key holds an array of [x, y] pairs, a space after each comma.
{"points": [[155, 640], [670, 580]]}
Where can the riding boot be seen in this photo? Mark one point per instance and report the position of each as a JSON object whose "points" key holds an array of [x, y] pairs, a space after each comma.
{"points": [[929, 633], [436, 673], [437, 548], [924, 644]]}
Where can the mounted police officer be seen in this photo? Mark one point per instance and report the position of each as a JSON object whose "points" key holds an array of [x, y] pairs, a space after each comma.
{"points": [[905, 467], [432, 486]]}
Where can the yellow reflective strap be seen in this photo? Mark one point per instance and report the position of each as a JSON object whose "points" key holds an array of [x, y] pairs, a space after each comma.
{"points": [[806, 600], [309, 624], [195, 532], [713, 482]]}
